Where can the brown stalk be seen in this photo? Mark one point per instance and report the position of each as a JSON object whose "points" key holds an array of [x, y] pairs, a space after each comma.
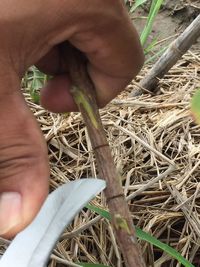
{"points": [[175, 51], [84, 94]]}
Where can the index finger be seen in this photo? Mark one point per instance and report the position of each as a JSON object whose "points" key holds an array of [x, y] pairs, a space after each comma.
{"points": [[113, 49], [105, 33]]}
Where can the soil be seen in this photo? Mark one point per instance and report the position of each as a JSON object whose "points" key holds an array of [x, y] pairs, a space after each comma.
{"points": [[174, 17]]}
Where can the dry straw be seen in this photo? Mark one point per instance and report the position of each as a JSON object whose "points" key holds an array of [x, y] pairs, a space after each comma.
{"points": [[148, 134]]}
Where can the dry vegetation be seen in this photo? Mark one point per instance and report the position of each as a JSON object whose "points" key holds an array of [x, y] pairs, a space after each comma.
{"points": [[156, 147], [148, 134]]}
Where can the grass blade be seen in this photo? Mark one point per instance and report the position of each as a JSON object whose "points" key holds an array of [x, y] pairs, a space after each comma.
{"points": [[137, 4], [195, 106], [155, 7], [147, 237]]}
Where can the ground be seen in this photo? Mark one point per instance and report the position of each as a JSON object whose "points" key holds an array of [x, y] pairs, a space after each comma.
{"points": [[148, 135], [174, 17]]}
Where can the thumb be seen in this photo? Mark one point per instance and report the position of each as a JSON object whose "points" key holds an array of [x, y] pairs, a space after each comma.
{"points": [[24, 169]]}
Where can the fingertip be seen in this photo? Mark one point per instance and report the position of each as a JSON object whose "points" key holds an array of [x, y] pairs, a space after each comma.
{"points": [[56, 97], [10, 211], [21, 212], [107, 87]]}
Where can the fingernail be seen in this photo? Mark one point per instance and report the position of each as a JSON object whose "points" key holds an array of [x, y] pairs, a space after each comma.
{"points": [[10, 211]]}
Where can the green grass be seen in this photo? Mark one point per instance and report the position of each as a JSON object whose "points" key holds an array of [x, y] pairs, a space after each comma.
{"points": [[195, 106], [154, 9], [136, 4], [34, 81]]}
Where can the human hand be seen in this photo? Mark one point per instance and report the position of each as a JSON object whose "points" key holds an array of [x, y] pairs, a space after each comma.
{"points": [[33, 32]]}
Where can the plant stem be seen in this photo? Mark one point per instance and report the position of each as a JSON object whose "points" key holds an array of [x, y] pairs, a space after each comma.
{"points": [[84, 95], [175, 51]]}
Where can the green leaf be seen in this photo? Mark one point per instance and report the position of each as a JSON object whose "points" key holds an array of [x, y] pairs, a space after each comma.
{"points": [[169, 250], [137, 4], [155, 7], [195, 106], [156, 55], [105, 214], [147, 237], [35, 97]]}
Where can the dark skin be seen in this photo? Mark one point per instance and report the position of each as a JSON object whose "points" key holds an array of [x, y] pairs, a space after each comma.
{"points": [[31, 34]]}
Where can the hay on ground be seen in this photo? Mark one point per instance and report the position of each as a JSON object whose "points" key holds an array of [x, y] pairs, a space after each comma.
{"points": [[148, 135]]}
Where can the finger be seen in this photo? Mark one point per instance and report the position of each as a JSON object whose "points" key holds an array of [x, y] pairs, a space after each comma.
{"points": [[55, 96], [24, 170], [113, 49], [115, 57], [53, 63]]}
